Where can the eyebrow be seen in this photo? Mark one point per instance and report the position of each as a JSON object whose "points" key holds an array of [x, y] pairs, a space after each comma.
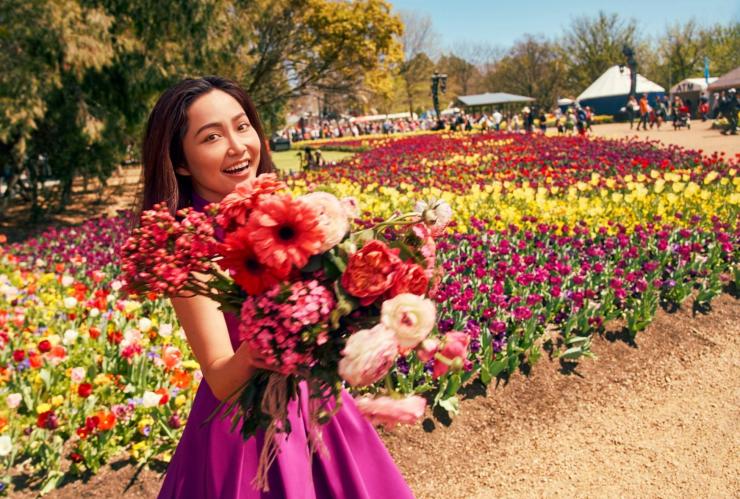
{"points": [[214, 124]]}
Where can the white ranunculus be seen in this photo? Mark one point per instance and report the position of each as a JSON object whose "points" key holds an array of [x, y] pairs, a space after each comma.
{"points": [[145, 324], [70, 302], [116, 285], [67, 280], [150, 399], [94, 312], [333, 217], [40, 262], [70, 335], [14, 400], [368, 355], [6, 445], [411, 317]]}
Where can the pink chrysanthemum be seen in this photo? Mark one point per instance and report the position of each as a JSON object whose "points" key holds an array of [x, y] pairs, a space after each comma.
{"points": [[284, 232]]}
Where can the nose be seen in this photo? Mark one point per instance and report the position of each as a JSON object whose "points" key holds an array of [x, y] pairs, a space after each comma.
{"points": [[236, 148]]}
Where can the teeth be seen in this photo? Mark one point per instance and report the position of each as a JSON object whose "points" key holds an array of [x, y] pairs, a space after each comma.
{"points": [[238, 168]]}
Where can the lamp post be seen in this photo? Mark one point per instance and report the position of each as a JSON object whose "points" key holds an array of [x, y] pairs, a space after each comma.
{"points": [[439, 84], [629, 54]]}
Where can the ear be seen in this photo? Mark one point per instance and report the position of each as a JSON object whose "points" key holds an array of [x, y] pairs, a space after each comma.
{"points": [[182, 170]]}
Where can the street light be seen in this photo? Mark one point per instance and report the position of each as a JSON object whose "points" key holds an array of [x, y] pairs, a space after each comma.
{"points": [[439, 84]]}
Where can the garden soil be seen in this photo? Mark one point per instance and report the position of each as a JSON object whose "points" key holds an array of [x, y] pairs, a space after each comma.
{"points": [[655, 418]]}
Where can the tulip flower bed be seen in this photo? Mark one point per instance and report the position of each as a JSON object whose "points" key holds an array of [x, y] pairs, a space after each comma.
{"points": [[553, 239]]}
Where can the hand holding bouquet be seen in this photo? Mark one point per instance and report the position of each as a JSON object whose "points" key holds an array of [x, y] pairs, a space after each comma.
{"points": [[317, 302]]}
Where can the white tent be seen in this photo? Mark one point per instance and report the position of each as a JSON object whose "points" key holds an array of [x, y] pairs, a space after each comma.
{"points": [[609, 92], [692, 85]]}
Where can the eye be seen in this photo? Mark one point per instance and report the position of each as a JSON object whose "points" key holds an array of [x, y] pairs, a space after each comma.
{"points": [[211, 137], [244, 126]]}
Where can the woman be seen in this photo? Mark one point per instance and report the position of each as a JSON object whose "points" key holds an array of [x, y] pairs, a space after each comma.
{"points": [[203, 139]]}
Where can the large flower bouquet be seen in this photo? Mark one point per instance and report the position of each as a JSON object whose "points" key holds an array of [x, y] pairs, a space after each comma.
{"points": [[319, 302]]}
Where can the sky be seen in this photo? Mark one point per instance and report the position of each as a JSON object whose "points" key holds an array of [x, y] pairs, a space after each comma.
{"points": [[501, 23]]}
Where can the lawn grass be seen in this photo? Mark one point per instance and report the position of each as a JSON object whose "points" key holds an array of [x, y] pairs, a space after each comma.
{"points": [[288, 160]]}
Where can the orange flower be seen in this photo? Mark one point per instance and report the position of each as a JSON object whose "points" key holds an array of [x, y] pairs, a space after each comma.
{"points": [[35, 360], [181, 379], [106, 420], [3, 423], [284, 232], [234, 209]]}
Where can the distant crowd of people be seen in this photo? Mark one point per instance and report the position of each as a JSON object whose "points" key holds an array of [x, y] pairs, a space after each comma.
{"points": [[679, 112], [573, 119], [343, 127]]}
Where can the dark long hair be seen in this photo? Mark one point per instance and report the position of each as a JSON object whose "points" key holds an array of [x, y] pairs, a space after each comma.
{"points": [[162, 148]]}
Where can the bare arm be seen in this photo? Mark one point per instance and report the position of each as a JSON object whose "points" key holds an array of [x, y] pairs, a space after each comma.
{"points": [[205, 328]]}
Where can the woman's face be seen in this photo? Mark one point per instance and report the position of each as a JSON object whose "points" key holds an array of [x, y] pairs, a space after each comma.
{"points": [[221, 147]]}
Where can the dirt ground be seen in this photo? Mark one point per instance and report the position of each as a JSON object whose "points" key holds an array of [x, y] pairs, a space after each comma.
{"points": [[700, 137]]}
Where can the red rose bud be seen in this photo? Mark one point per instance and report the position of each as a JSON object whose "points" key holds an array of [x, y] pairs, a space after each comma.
{"points": [[44, 346], [75, 457], [94, 333], [19, 355], [84, 390]]}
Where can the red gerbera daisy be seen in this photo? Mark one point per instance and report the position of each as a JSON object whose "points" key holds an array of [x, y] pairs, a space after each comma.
{"points": [[241, 261], [284, 232], [234, 209]]}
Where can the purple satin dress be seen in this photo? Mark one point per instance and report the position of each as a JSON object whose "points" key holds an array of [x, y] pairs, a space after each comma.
{"points": [[212, 462]]}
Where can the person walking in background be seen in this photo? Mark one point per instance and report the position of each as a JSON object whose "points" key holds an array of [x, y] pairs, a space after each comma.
{"points": [[497, 117], [543, 121], [581, 120], [644, 112], [729, 111], [632, 108]]}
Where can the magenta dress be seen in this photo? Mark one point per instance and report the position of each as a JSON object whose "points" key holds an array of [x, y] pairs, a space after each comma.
{"points": [[212, 462]]}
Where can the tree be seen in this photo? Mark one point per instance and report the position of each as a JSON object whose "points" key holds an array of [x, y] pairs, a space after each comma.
{"points": [[415, 70], [533, 67], [593, 45]]}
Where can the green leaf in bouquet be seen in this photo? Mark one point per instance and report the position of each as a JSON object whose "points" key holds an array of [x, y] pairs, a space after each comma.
{"points": [[314, 264], [346, 304]]}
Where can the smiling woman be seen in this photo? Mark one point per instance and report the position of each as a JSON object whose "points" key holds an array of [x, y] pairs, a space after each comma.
{"points": [[203, 141], [203, 136]]}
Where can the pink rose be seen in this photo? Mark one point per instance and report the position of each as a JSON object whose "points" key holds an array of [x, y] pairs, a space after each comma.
{"points": [[368, 355], [410, 278], [388, 411], [371, 271], [454, 347]]}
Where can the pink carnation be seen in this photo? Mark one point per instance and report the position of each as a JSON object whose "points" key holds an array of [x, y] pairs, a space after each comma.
{"points": [[286, 323]]}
